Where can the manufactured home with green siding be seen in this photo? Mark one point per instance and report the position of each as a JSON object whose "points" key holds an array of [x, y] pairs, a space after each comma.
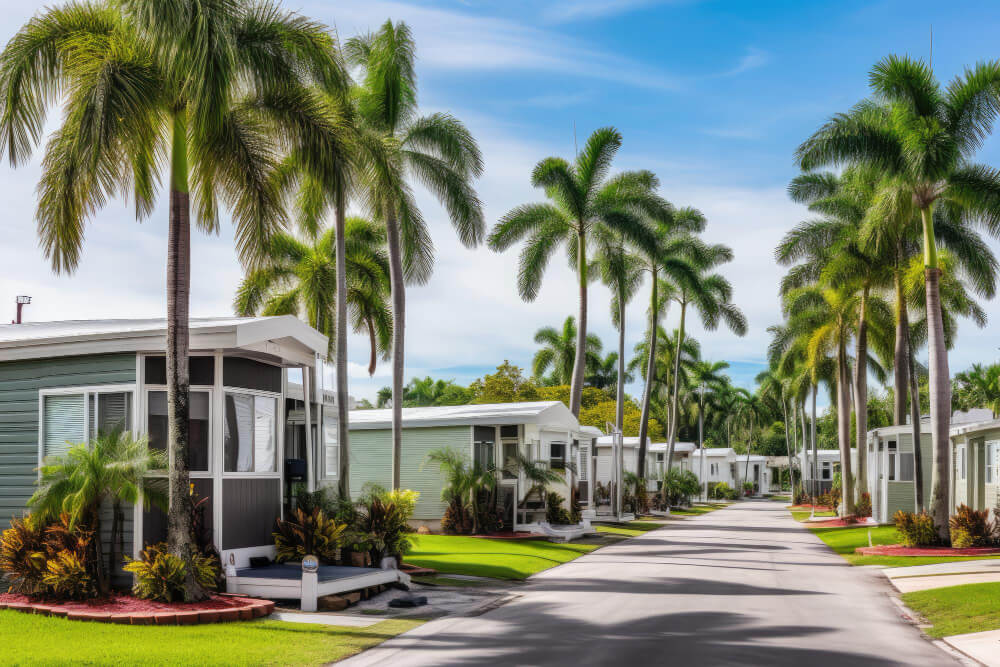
{"points": [[891, 469], [61, 383], [975, 469], [489, 435]]}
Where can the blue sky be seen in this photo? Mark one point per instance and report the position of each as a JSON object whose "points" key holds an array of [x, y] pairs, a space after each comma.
{"points": [[712, 96]]}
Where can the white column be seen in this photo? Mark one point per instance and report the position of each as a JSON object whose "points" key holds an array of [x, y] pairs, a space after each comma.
{"points": [[310, 455]]}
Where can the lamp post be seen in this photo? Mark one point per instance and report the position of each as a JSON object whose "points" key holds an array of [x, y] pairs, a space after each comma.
{"points": [[22, 301]]}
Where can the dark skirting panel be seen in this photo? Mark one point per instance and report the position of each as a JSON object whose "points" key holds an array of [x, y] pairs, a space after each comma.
{"points": [[250, 508], [154, 520]]}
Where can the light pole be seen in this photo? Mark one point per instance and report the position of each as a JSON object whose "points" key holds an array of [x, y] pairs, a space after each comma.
{"points": [[22, 301]]}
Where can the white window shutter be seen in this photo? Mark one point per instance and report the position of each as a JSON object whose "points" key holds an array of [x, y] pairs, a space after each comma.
{"points": [[64, 423]]}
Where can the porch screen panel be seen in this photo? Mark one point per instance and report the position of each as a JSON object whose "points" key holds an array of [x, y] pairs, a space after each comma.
{"points": [[331, 446], [905, 467], [63, 424], [239, 427], [264, 445], [114, 413], [250, 508], [198, 426]]}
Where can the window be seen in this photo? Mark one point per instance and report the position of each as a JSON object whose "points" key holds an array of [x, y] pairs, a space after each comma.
{"points": [[331, 446], [557, 456], [483, 442], [892, 461], [74, 418], [713, 469], [198, 426], [961, 462], [826, 469], [905, 472], [63, 424], [659, 457], [250, 433], [992, 462], [509, 459], [584, 463]]}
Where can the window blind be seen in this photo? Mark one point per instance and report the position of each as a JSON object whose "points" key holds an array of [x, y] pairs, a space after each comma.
{"points": [[63, 424]]}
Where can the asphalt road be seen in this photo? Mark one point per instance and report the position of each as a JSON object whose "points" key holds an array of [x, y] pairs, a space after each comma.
{"points": [[745, 585]]}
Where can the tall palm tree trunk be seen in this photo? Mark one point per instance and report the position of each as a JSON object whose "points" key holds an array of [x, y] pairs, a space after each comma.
{"points": [[650, 374], [620, 389], [580, 361], [918, 454], [397, 289], [813, 467], [940, 380], [861, 395], [178, 349], [343, 431], [675, 398], [788, 445], [900, 367], [844, 427]]}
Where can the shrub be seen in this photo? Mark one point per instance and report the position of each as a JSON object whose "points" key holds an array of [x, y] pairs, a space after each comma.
{"points": [[311, 533], [679, 486], [159, 575], [800, 497], [863, 508], [384, 517], [44, 560], [917, 530], [456, 521], [969, 527], [555, 514], [722, 491]]}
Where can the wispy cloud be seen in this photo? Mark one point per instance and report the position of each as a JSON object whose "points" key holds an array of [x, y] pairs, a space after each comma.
{"points": [[752, 59], [577, 10], [454, 40]]}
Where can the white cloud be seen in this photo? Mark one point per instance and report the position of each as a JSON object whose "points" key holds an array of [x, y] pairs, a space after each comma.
{"points": [[752, 59]]}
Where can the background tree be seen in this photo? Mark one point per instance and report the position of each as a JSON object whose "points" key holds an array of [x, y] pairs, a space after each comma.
{"points": [[558, 353], [582, 198], [398, 146]]}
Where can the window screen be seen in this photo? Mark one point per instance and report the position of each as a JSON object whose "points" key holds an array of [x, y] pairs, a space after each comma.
{"points": [[557, 455], [63, 424], [483, 440], [198, 426], [109, 412], [892, 461], [331, 446], [249, 433]]}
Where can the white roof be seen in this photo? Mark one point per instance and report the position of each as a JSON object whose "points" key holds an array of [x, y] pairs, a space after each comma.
{"points": [[715, 451], [679, 447], [591, 431], [284, 336], [831, 454], [548, 414], [631, 441], [753, 457]]}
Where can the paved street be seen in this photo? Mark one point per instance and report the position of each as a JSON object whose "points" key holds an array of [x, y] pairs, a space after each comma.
{"points": [[745, 585]]}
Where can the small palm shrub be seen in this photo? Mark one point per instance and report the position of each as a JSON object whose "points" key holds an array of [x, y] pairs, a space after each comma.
{"points": [[159, 575], [722, 491], [309, 534], [800, 497], [863, 508], [679, 486], [970, 528], [456, 520], [916, 530], [555, 513]]}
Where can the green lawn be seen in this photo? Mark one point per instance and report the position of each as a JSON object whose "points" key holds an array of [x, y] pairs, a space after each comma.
{"points": [[845, 540], [40, 640], [957, 610], [483, 557], [695, 510], [802, 516], [630, 529]]}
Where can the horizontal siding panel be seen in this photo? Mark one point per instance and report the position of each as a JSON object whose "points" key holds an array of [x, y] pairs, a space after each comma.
{"points": [[371, 459], [899, 496], [417, 474], [20, 382]]}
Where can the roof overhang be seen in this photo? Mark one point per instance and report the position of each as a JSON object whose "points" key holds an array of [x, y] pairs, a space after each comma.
{"points": [[547, 415], [282, 339]]}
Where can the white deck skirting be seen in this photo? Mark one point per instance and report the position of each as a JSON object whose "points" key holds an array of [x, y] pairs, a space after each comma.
{"points": [[308, 589]]}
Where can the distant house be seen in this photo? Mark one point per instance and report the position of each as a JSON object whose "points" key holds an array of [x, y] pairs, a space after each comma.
{"points": [[818, 473], [975, 464], [61, 383], [490, 435]]}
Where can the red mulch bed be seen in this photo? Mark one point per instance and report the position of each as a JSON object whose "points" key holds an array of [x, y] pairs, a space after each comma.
{"points": [[417, 571], [839, 522], [900, 550], [127, 609], [806, 508]]}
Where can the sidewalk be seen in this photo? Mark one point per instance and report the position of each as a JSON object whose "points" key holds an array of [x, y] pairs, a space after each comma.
{"points": [[940, 575], [981, 646]]}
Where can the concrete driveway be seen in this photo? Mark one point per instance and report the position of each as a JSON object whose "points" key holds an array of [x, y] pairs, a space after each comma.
{"points": [[745, 585]]}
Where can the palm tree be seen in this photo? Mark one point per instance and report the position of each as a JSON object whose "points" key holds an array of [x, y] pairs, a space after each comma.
{"points": [[583, 199], [710, 294], [979, 387], [113, 467], [750, 412], [464, 481], [923, 138], [670, 256], [771, 385], [707, 375], [604, 372], [537, 474], [149, 86], [398, 145], [621, 270], [558, 352], [299, 276]]}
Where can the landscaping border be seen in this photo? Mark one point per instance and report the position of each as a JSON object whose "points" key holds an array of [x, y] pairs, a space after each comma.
{"points": [[249, 611], [901, 550]]}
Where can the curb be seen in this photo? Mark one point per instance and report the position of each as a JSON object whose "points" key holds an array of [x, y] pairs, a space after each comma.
{"points": [[253, 609]]}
